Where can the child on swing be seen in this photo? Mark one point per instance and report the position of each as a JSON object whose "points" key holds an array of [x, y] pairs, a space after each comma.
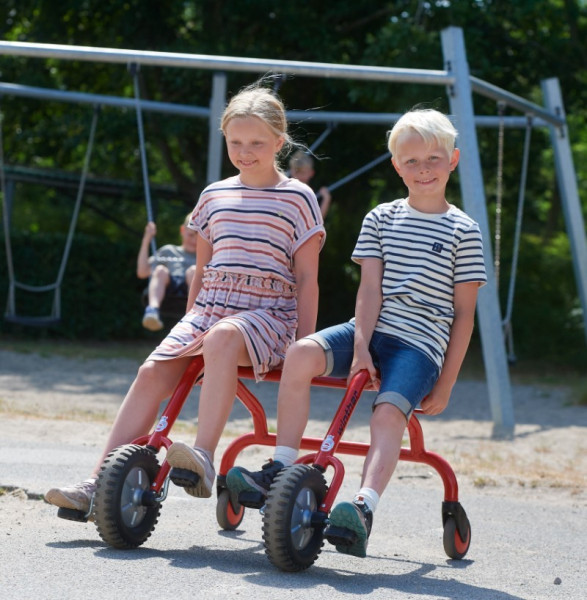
{"points": [[421, 266], [301, 166], [170, 270], [255, 290]]}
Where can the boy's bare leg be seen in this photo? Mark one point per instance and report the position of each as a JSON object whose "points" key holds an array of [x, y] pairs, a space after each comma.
{"points": [[388, 424], [304, 360]]}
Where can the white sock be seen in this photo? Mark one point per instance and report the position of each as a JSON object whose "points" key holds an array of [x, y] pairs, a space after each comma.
{"points": [[369, 496], [285, 455]]}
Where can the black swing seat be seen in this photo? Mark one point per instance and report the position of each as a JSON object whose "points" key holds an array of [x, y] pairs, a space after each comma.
{"points": [[28, 321]]}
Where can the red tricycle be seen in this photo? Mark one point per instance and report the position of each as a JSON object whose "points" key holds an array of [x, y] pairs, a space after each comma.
{"points": [[132, 484]]}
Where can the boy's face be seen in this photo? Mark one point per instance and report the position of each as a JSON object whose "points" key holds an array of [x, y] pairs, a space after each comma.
{"points": [[189, 238], [424, 168]]}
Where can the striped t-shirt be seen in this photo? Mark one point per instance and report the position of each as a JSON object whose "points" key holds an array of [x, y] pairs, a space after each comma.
{"points": [[424, 256], [257, 231]]}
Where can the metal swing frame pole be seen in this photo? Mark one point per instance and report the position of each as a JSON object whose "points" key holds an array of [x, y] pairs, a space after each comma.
{"points": [[569, 191], [359, 171], [472, 190]]}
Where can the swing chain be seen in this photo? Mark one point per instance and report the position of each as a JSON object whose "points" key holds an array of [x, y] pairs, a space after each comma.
{"points": [[501, 106], [507, 320]]}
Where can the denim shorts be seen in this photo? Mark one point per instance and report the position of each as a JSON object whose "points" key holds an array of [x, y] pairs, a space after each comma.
{"points": [[407, 374]]}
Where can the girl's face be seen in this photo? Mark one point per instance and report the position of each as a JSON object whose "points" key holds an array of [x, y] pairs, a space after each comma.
{"points": [[424, 168], [252, 147]]}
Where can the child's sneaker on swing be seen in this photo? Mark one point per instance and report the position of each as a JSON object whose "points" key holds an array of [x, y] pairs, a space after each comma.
{"points": [[350, 527], [238, 479], [151, 319], [73, 497]]}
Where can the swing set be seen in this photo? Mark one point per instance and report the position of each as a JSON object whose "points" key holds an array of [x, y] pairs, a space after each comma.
{"points": [[172, 306], [460, 86], [54, 317]]}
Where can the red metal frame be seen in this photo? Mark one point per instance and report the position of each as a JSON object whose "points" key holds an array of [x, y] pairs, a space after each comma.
{"points": [[323, 449]]}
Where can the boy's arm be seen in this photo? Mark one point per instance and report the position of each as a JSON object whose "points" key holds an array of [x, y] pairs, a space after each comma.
{"points": [[203, 256], [367, 309], [143, 266], [465, 299], [306, 272]]}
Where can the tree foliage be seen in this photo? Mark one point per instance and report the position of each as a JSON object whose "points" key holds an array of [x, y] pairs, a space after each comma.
{"points": [[513, 45]]}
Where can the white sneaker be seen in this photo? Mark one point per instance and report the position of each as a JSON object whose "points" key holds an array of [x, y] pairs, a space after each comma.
{"points": [[75, 497], [182, 456]]}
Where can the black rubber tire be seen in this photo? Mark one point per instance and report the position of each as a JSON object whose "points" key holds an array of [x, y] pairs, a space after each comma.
{"points": [[226, 515], [292, 542], [454, 546], [123, 521]]}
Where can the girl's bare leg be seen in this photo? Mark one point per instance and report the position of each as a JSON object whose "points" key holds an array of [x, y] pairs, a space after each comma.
{"points": [[305, 359], [224, 351], [154, 382]]}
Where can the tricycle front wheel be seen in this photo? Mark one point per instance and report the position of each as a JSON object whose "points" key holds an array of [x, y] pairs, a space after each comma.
{"points": [[293, 530], [125, 510]]}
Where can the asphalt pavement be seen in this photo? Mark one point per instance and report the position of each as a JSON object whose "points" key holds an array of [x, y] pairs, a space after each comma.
{"points": [[529, 547]]}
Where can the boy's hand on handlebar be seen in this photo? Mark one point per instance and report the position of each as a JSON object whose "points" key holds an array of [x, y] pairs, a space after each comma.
{"points": [[363, 360]]}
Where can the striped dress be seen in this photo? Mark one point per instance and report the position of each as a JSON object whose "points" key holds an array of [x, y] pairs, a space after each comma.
{"points": [[424, 256], [249, 281]]}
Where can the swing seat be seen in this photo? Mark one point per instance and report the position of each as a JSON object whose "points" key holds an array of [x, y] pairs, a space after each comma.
{"points": [[28, 321]]}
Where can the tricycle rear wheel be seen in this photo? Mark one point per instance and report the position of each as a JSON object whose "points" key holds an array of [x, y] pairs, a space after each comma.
{"points": [[229, 513]]}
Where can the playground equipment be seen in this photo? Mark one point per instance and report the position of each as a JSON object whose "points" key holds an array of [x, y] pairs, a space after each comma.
{"points": [[54, 317], [132, 484], [460, 86]]}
